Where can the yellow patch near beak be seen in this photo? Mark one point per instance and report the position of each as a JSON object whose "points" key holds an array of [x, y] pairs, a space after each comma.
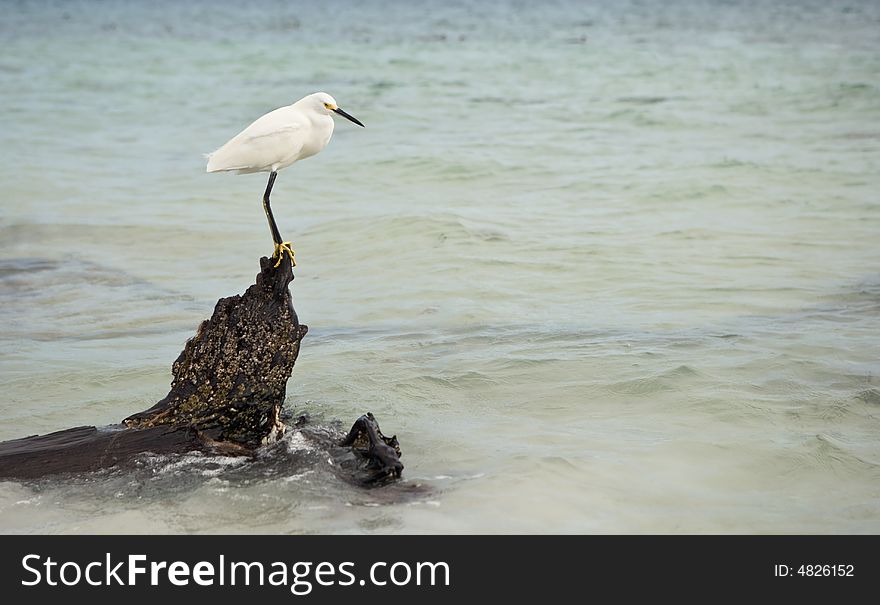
{"points": [[330, 106]]}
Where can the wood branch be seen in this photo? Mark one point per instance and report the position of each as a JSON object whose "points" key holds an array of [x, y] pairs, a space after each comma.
{"points": [[227, 390], [378, 452]]}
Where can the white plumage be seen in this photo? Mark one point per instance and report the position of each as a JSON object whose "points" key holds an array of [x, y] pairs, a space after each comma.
{"points": [[277, 140]]}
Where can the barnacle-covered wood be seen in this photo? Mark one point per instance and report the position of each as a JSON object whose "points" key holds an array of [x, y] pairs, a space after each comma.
{"points": [[226, 394], [231, 378], [227, 390]]}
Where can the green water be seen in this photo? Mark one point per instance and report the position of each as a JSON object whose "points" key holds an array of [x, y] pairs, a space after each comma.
{"points": [[600, 268]]}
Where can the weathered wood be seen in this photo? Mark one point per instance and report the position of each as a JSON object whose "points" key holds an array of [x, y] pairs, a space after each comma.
{"points": [[228, 386], [379, 453], [86, 448], [231, 378]]}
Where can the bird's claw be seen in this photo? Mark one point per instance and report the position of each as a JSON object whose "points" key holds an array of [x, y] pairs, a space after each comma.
{"points": [[280, 249]]}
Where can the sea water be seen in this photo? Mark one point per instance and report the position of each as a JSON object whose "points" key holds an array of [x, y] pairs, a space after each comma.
{"points": [[602, 267]]}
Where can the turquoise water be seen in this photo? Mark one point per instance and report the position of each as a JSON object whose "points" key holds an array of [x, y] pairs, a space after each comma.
{"points": [[600, 268]]}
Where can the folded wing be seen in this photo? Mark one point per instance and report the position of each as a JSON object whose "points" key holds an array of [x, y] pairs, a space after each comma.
{"points": [[273, 140]]}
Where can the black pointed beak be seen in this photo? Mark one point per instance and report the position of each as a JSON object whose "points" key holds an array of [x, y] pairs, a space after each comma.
{"points": [[350, 117]]}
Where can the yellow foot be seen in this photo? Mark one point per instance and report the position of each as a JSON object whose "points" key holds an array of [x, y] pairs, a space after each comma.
{"points": [[280, 249]]}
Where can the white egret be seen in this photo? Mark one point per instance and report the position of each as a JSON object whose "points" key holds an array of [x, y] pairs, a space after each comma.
{"points": [[277, 140]]}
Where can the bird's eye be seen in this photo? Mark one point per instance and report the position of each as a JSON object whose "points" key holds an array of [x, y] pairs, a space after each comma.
{"points": [[326, 105]]}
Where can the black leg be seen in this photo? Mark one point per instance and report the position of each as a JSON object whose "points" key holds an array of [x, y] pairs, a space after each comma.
{"points": [[276, 236]]}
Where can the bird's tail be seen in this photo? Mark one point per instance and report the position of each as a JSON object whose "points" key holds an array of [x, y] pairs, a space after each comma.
{"points": [[219, 161], [212, 166]]}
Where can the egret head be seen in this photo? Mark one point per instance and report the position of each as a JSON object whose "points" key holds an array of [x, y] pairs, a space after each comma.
{"points": [[324, 103]]}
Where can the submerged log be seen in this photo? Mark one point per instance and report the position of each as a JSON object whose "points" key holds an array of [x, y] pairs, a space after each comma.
{"points": [[228, 387], [378, 451]]}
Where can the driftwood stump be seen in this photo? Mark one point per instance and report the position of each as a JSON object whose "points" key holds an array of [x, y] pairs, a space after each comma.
{"points": [[231, 378], [228, 386]]}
